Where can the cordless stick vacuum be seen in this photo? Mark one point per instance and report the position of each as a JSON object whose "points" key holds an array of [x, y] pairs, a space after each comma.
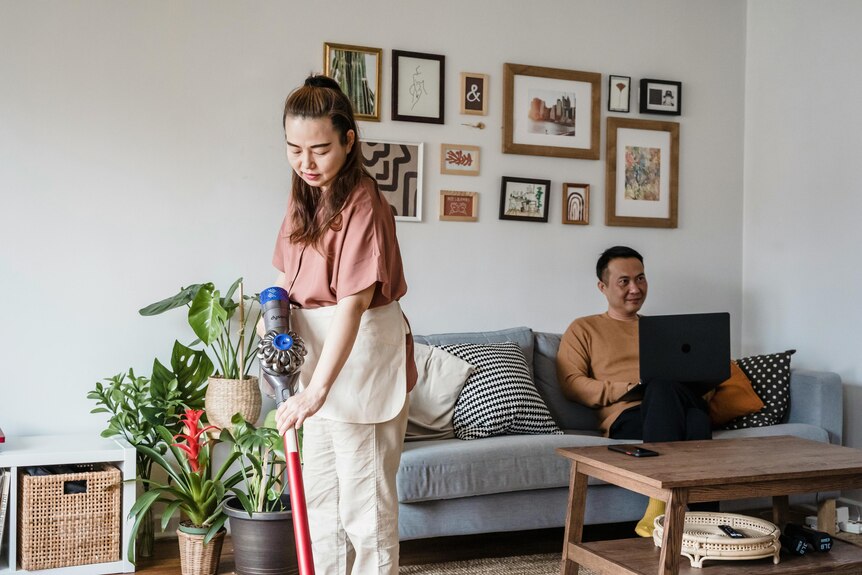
{"points": [[281, 354]]}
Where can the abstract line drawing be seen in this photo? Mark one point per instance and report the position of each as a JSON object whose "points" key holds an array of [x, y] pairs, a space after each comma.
{"points": [[576, 204], [397, 168]]}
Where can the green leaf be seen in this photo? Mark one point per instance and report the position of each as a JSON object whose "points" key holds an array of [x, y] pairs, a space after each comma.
{"points": [[183, 298], [192, 368], [207, 317]]}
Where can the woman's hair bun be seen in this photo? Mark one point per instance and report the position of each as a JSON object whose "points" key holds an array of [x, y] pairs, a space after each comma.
{"points": [[321, 81]]}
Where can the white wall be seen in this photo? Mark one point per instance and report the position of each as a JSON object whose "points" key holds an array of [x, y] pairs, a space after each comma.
{"points": [[803, 140], [140, 150]]}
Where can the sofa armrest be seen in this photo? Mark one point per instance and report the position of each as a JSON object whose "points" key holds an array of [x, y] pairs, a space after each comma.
{"points": [[817, 398]]}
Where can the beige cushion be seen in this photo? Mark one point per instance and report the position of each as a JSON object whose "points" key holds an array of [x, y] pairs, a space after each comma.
{"points": [[432, 401]]}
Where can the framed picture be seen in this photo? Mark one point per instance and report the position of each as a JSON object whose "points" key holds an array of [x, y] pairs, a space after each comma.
{"points": [[661, 97], [474, 94], [619, 93], [357, 71], [397, 167], [524, 199], [459, 159], [576, 204], [551, 112], [642, 176], [459, 206], [417, 87]]}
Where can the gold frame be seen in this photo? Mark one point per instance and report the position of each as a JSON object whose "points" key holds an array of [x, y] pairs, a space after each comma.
{"points": [[471, 172], [378, 52], [611, 217], [474, 206], [485, 81], [586, 191], [509, 145]]}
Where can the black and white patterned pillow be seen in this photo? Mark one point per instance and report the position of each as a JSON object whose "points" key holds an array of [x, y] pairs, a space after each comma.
{"points": [[499, 397], [770, 379]]}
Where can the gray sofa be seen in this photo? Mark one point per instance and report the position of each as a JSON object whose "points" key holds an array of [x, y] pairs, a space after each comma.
{"points": [[518, 482]]}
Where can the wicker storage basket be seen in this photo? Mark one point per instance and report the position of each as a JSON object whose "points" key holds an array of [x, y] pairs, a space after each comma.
{"points": [[225, 397], [702, 539], [58, 529]]}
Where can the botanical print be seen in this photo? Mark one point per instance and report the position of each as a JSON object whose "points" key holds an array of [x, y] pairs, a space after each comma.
{"points": [[456, 158], [551, 112], [527, 200], [643, 173], [356, 73]]}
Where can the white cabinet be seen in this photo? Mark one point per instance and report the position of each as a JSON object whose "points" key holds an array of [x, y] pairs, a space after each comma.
{"points": [[66, 449]]}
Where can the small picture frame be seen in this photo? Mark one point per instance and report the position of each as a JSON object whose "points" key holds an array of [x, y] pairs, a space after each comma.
{"points": [[418, 87], [459, 206], [458, 159], [397, 167], [524, 199], [660, 97], [576, 204], [474, 93], [619, 93], [357, 71]]}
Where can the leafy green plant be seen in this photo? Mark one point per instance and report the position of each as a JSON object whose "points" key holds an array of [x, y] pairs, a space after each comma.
{"points": [[211, 317]]}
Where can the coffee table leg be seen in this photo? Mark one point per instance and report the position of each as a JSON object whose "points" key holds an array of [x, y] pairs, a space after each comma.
{"points": [[826, 516], [780, 510], [674, 523], [574, 518]]}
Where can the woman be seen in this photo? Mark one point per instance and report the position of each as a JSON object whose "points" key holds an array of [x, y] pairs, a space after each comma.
{"points": [[341, 266]]}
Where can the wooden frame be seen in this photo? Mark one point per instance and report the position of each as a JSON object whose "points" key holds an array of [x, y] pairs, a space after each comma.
{"points": [[418, 82], [576, 204], [397, 167], [642, 177], [660, 97], [619, 93], [524, 199], [527, 117], [474, 93], [461, 160], [348, 65], [459, 206]]}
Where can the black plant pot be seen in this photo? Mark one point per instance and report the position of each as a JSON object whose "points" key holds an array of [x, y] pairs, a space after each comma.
{"points": [[263, 544]]}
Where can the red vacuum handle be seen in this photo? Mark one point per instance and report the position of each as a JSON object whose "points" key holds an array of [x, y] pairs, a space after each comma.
{"points": [[297, 504]]}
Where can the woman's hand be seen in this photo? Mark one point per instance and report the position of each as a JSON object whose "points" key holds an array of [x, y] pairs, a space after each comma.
{"points": [[293, 412]]}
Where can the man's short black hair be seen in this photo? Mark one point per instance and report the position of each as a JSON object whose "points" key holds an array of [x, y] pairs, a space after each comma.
{"points": [[612, 254]]}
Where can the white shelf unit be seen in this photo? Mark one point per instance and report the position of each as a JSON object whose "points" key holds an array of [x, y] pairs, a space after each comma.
{"points": [[58, 450]]}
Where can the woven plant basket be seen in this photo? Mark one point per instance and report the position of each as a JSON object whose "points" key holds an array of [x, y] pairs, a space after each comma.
{"points": [[225, 397], [197, 557]]}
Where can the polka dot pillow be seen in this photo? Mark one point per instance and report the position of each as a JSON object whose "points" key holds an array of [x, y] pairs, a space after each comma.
{"points": [[770, 379]]}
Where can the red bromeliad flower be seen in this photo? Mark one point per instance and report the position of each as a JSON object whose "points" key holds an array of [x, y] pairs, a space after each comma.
{"points": [[192, 437]]}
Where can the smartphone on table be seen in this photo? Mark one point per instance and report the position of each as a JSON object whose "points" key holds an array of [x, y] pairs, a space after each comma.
{"points": [[633, 450]]}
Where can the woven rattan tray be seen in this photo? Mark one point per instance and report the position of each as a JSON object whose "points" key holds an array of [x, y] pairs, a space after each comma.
{"points": [[702, 539]]}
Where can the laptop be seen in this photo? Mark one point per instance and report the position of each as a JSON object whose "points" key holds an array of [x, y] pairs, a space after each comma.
{"points": [[693, 349]]}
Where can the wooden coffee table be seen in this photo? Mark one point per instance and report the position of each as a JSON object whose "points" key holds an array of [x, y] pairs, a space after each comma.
{"points": [[696, 471]]}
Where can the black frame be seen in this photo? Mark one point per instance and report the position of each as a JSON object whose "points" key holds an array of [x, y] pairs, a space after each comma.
{"points": [[611, 94], [652, 108], [546, 207], [396, 115]]}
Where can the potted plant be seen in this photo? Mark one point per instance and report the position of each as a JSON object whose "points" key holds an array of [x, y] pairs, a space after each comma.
{"points": [[192, 489], [261, 522], [211, 316]]}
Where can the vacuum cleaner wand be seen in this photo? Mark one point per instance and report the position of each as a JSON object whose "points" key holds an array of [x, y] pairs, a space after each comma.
{"points": [[281, 354]]}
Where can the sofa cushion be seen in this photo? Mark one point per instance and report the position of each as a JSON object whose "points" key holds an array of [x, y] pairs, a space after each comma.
{"points": [[523, 336], [441, 376], [499, 397], [733, 398], [568, 414], [770, 378]]}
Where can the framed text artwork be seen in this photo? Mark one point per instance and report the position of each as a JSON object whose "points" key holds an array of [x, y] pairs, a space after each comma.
{"points": [[357, 71], [661, 97], [551, 112], [642, 175], [459, 159], [417, 87], [576, 204], [459, 206], [474, 94], [524, 199], [397, 167]]}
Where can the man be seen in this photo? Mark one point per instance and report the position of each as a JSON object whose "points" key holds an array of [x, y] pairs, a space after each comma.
{"points": [[599, 361]]}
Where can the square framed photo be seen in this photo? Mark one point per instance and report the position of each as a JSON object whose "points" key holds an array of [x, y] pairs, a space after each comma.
{"points": [[474, 93], [459, 159], [660, 97], [551, 112], [576, 204], [357, 71], [417, 87], [459, 206], [619, 93], [397, 167], [524, 199], [642, 175]]}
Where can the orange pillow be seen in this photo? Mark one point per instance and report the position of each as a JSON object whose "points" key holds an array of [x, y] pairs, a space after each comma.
{"points": [[733, 398]]}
